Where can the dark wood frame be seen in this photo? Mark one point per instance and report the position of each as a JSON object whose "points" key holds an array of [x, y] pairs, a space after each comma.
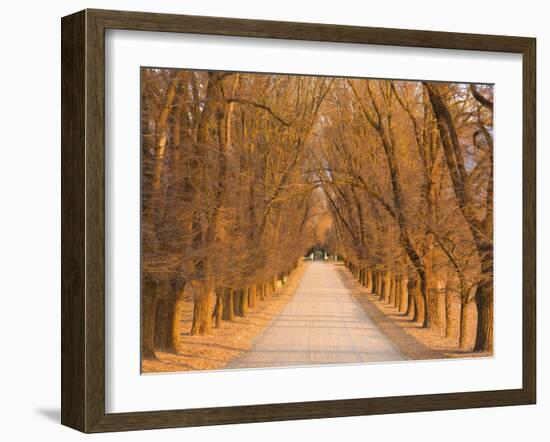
{"points": [[83, 217]]}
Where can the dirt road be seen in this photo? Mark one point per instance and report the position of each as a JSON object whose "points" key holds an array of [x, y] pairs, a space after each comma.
{"points": [[322, 324]]}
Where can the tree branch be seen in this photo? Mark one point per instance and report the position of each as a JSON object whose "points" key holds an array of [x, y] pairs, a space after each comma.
{"points": [[260, 106], [485, 102]]}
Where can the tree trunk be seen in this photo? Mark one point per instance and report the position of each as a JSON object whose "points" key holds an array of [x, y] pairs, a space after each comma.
{"points": [[379, 285], [394, 291], [387, 286], [412, 306], [423, 316], [448, 319], [431, 304], [411, 301], [421, 312], [391, 291], [252, 295], [163, 316], [169, 343], [161, 320], [236, 302], [404, 294], [161, 126], [399, 293], [219, 308], [148, 312], [176, 321], [463, 327], [439, 285], [369, 281], [228, 313], [484, 304], [242, 302], [202, 322]]}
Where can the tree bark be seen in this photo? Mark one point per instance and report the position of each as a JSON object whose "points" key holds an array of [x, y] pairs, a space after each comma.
{"points": [[404, 294], [161, 320], [235, 294], [169, 342], [484, 332], [438, 284], [171, 292], [463, 327], [176, 320], [387, 286], [394, 291], [411, 301], [148, 312], [379, 285], [252, 295], [202, 294], [219, 308], [242, 302], [229, 310], [369, 281], [421, 312], [448, 319], [421, 303]]}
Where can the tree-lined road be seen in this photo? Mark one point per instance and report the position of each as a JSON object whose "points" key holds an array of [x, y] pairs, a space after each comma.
{"points": [[321, 324]]}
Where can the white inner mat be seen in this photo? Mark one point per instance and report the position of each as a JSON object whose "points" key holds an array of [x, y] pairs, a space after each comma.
{"points": [[127, 390]]}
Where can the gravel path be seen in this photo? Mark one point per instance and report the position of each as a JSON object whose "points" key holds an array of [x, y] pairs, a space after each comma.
{"points": [[321, 324]]}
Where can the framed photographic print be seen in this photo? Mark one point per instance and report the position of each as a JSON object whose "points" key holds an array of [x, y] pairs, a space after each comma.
{"points": [[268, 221]]}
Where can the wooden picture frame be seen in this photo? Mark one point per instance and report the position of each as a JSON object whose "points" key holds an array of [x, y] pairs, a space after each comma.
{"points": [[83, 220]]}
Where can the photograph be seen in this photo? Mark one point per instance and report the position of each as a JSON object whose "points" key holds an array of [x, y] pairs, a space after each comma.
{"points": [[307, 220], [241, 221]]}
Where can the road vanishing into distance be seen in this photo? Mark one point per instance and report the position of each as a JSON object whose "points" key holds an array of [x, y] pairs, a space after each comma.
{"points": [[321, 324]]}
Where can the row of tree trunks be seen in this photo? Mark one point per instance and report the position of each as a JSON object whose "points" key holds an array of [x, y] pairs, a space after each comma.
{"points": [[162, 305], [403, 293], [239, 302], [481, 228], [160, 322]]}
